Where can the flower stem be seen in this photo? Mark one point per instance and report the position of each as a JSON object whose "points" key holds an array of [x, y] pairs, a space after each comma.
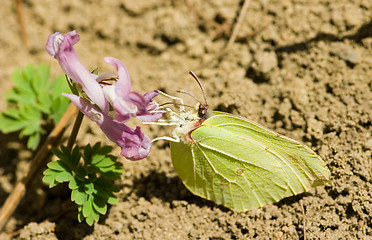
{"points": [[75, 130]]}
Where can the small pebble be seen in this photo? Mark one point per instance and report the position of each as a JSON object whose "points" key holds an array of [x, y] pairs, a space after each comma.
{"points": [[265, 61]]}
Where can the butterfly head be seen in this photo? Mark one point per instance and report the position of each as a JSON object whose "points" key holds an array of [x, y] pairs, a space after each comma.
{"points": [[203, 111]]}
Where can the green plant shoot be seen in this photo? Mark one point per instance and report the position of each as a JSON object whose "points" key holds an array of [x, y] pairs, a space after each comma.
{"points": [[90, 177], [35, 103]]}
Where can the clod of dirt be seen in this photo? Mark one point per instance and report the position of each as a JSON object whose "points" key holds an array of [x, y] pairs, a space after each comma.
{"points": [[264, 61], [346, 53], [44, 230]]}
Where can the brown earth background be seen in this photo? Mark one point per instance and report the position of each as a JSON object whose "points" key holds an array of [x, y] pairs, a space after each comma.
{"points": [[301, 68]]}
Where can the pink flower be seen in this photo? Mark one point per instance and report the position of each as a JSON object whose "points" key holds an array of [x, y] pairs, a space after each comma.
{"points": [[126, 104]]}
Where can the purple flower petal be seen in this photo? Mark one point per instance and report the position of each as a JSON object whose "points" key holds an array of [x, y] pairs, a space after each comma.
{"points": [[149, 112], [60, 47], [123, 83], [51, 46], [134, 144], [126, 103], [150, 95]]}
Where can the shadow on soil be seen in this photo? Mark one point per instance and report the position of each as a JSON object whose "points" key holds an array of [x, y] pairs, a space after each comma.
{"points": [[158, 185], [363, 32]]}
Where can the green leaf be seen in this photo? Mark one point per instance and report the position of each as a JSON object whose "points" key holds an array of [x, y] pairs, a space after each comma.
{"points": [[109, 186], [50, 172], [58, 152], [48, 178], [64, 177], [104, 162], [29, 72], [31, 101], [89, 212], [91, 185], [87, 154], [112, 200], [75, 157], [100, 190], [11, 113], [95, 215], [17, 77], [89, 188], [78, 196], [21, 80], [53, 183], [59, 102], [31, 113], [33, 141], [20, 97], [8, 125], [58, 85], [97, 158], [81, 217], [81, 173], [74, 184], [43, 73], [112, 172], [30, 129], [96, 147], [110, 175], [90, 220], [87, 207], [65, 153], [58, 107], [58, 166], [99, 204], [104, 150]]}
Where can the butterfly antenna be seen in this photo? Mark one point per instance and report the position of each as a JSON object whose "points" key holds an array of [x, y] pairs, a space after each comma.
{"points": [[191, 95], [201, 87]]}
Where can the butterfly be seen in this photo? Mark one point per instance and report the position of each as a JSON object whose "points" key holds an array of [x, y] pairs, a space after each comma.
{"points": [[238, 163]]}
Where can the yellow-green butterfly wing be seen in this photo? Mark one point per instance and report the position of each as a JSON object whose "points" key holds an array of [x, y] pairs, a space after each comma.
{"points": [[241, 165]]}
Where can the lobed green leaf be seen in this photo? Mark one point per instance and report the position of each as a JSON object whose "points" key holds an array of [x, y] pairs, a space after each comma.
{"points": [[104, 162], [112, 200], [90, 182], [81, 216], [31, 100], [48, 178], [92, 217], [78, 196], [97, 158], [63, 177], [89, 188], [8, 125], [33, 141], [58, 165], [99, 204], [74, 184], [87, 206]]}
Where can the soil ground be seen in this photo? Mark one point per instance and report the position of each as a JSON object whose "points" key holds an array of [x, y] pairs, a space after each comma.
{"points": [[301, 68]]}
